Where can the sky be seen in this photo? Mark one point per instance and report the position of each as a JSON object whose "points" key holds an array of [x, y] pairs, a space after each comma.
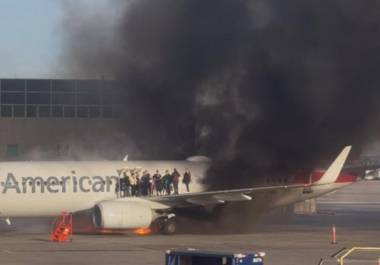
{"points": [[30, 37]]}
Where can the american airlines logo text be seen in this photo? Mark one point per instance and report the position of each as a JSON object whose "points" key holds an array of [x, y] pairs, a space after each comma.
{"points": [[59, 184]]}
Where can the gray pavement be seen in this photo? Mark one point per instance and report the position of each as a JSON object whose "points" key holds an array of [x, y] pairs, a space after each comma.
{"points": [[287, 239]]}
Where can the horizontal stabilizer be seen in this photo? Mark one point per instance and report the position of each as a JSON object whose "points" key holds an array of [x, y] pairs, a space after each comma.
{"points": [[332, 173]]}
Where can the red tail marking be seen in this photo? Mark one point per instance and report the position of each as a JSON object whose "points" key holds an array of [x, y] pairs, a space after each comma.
{"points": [[302, 178]]}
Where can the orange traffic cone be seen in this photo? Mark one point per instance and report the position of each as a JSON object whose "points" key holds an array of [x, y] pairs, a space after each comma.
{"points": [[333, 241]]}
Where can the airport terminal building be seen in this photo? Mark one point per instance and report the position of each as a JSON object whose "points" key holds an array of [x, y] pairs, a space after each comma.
{"points": [[52, 119]]}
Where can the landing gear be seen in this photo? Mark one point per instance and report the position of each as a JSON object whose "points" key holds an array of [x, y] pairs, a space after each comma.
{"points": [[165, 225], [169, 227]]}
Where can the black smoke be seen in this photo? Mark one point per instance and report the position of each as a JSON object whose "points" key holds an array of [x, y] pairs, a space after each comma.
{"points": [[271, 86]]}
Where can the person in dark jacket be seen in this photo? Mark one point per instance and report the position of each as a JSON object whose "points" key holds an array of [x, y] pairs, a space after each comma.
{"points": [[175, 180], [138, 185], [122, 186], [125, 184], [157, 181], [134, 186], [187, 179], [144, 183]]}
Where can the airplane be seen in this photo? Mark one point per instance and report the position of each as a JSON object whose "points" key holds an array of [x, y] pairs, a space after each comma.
{"points": [[46, 189]]}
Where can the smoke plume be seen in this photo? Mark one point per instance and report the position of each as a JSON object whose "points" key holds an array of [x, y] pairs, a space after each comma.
{"points": [[271, 86]]}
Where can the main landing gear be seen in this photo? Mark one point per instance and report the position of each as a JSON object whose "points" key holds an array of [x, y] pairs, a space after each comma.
{"points": [[165, 225]]}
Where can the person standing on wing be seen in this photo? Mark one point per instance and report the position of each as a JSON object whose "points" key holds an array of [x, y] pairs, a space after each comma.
{"points": [[175, 180], [157, 182], [187, 179], [167, 181]]}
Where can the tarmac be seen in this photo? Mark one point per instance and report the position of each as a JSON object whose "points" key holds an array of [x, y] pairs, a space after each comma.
{"points": [[287, 239]]}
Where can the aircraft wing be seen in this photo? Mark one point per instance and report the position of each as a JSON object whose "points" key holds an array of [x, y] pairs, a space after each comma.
{"points": [[236, 195], [216, 197]]}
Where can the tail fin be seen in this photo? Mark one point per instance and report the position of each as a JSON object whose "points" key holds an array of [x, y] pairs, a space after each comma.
{"points": [[332, 173]]}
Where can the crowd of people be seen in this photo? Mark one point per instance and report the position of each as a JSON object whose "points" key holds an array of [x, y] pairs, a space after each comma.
{"points": [[132, 183]]}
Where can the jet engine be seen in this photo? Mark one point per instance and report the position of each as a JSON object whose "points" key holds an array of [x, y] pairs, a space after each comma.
{"points": [[122, 215]]}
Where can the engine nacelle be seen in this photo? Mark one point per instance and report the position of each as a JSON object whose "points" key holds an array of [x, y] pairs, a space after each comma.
{"points": [[122, 215]]}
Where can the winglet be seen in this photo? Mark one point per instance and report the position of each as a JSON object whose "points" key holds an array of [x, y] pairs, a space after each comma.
{"points": [[332, 173]]}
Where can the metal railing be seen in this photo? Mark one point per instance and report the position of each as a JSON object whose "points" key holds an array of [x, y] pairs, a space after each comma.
{"points": [[343, 254], [356, 249]]}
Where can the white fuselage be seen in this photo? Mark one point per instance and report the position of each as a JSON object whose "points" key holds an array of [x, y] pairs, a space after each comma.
{"points": [[49, 188]]}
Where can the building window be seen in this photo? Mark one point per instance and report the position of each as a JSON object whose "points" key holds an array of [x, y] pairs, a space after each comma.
{"points": [[82, 112], [118, 112], [88, 99], [38, 85], [88, 86], [57, 111], [63, 99], [107, 112], [12, 98], [13, 85], [43, 98], [69, 112], [12, 150], [94, 112], [43, 111], [6, 111], [63, 85], [18, 111], [38, 98], [31, 111]]}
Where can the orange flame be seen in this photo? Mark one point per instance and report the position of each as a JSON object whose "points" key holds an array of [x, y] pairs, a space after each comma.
{"points": [[143, 231], [105, 231]]}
